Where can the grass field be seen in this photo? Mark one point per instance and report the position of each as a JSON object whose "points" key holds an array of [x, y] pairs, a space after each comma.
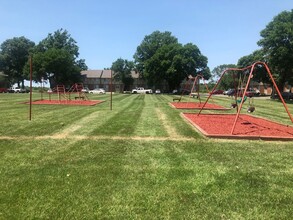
{"points": [[139, 161]]}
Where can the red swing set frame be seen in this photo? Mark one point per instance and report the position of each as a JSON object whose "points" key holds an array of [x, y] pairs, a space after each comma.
{"points": [[251, 67]]}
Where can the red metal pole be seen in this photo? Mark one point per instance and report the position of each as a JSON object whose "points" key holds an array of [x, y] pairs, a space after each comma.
{"points": [[242, 99], [278, 91], [111, 91], [31, 78], [275, 85], [210, 94]]}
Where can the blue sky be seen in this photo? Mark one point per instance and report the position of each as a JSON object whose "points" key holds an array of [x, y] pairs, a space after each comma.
{"points": [[105, 30]]}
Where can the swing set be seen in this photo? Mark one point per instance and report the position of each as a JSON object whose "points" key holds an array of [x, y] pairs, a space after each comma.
{"points": [[192, 87], [239, 93], [248, 75]]}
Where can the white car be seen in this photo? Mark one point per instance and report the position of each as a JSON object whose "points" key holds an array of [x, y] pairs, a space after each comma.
{"points": [[158, 91], [97, 91], [85, 90]]}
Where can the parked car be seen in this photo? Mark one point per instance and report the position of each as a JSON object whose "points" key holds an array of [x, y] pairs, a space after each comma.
{"points": [[97, 91], [285, 95], [158, 91], [217, 92], [228, 91], [85, 90], [249, 93], [3, 90], [141, 90], [16, 90], [175, 91]]}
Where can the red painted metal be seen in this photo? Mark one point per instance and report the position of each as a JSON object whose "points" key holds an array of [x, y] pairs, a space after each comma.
{"points": [[31, 80], [210, 94], [251, 67], [195, 81], [111, 96]]}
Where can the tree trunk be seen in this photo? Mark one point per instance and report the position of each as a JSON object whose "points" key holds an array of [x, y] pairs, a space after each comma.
{"points": [[52, 83]]}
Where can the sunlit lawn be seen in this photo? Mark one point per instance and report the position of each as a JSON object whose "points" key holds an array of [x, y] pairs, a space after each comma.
{"points": [[139, 161]]}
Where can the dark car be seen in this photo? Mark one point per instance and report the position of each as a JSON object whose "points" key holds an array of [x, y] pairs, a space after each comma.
{"points": [[230, 92], [285, 95]]}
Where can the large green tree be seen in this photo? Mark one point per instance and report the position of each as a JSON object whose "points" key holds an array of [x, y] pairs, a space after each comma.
{"points": [[148, 47], [122, 72], [277, 43], [229, 79], [56, 59], [161, 58], [13, 56], [260, 74]]}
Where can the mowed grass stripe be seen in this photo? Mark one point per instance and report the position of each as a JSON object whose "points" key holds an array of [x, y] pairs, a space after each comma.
{"points": [[96, 121], [149, 124], [122, 122]]}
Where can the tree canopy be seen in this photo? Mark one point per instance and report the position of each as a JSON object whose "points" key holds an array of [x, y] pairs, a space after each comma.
{"points": [[14, 55], [55, 59], [227, 80], [150, 44], [277, 44], [260, 74], [122, 71], [161, 58]]}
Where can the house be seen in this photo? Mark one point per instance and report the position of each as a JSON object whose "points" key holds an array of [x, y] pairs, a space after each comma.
{"points": [[102, 79]]}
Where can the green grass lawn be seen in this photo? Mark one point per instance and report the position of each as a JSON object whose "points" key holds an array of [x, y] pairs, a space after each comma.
{"points": [[139, 161]]}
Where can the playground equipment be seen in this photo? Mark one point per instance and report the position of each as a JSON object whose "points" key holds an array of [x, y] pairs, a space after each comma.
{"points": [[192, 87], [76, 90], [249, 76]]}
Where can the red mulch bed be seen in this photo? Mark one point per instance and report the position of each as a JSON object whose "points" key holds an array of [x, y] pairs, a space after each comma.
{"points": [[247, 127], [197, 105], [66, 102]]}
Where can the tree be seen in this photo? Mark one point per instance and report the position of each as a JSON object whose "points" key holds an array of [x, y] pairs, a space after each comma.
{"points": [[260, 73], [122, 72], [161, 58], [14, 55], [148, 47], [227, 80], [55, 59], [277, 43]]}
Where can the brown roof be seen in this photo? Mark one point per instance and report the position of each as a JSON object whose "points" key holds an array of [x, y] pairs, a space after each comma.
{"points": [[106, 74]]}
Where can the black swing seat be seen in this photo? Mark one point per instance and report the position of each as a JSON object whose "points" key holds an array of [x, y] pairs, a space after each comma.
{"points": [[251, 109], [79, 97], [177, 99], [233, 105]]}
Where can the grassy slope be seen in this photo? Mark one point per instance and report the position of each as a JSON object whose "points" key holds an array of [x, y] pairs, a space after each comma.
{"points": [[140, 160]]}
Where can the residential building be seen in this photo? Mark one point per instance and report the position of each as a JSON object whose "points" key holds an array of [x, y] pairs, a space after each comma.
{"points": [[102, 79]]}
